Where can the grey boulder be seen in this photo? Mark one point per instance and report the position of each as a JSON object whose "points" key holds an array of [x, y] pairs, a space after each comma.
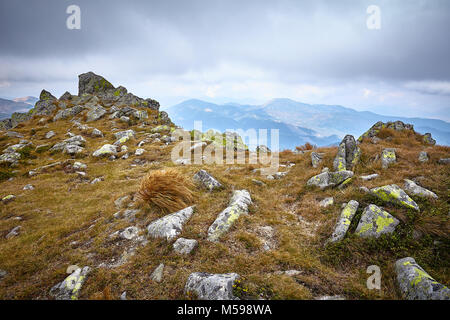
{"points": [[170, 226], [209, 286]]}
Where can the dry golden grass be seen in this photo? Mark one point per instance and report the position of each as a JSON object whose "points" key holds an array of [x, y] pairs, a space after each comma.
{"points": [[167, 189], [67, 221]]}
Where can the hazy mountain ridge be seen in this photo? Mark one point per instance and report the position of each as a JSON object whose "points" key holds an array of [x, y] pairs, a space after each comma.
{"points": [[298, 122], [8, 107]]}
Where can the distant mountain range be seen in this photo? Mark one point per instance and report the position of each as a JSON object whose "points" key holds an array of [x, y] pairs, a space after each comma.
{"points": [[298, 123], [8, 107]]}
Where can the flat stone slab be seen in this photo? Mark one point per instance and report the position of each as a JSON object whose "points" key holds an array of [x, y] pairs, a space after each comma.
{"points": [[395, 195], [414, 189], [416, 284], [344, 221], [170, 226], [238, 205], [375, 222], [209, 286]]}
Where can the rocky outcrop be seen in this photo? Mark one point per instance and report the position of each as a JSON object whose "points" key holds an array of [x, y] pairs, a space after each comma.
{"points": [[71, 146], [207, 181], [329, 179], [348, 154], [238, 205], [344, 221], [395, 195], [170, 226], [375, 222], [207, 286], [428, 139], [91, 83], [416, 284], [375, 129]]}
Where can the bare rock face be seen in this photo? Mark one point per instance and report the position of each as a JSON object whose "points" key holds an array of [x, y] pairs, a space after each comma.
{"points": [[209, 286], [416, 284], [348, 154]]}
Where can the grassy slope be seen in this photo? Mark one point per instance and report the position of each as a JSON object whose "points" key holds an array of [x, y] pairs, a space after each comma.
{"points": [[65, 222]]}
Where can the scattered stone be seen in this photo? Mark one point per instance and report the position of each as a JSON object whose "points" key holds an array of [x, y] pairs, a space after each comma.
{"points": [[344, 221], [184, 246], [416, 284], [364, 189], [97, 180], [290, 273], [129, 233], [79, 166], [326, 169], [395, 195], [375, 222], [139, 152], [423, 156], [207, 181], [238, 205], [124, 119], [415, 190], [444, 161], [326, 202], [258, 183], [329, 179], [14, 232], [50, 134], [96, 133], [71, 143], [96, 113], [348, 154], [8, 198], [170, 226], [370, 177], [316, 159], [42, 148], [336, 297], [28, 187], [3, 274], [158, 273], [387, 157], [209, 286], [123, 296], [105, 151], [69, 289], [127, 133]]}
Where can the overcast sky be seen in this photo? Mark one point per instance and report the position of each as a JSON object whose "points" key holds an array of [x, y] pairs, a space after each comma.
{"points": [[243, 51]]}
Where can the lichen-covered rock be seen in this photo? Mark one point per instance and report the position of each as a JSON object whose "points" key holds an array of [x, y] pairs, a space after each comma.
{"points": [[375, 222], [348, 154], [73, 149], [10, 158], [423, 156], [238, 205], [326, 202], [66, 96], [395, 195], [170, 226], [428, 139], [78, 141], [316, 159], [344, 221], [46, 104], [18, 117], [387, 157], [90, 83], [416, 284], [128, 133], [329, 179], [207, 286], [105, 151], [69, 289], [414, 189], [95, 113], [207, 181], [67, 113], [184, 246]]}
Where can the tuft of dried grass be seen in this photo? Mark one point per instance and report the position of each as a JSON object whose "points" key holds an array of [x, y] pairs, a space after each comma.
{"points": [[167, 189]]}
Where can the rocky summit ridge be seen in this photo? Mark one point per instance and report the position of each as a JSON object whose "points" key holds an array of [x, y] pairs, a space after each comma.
{"points": [[74, 222]]}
